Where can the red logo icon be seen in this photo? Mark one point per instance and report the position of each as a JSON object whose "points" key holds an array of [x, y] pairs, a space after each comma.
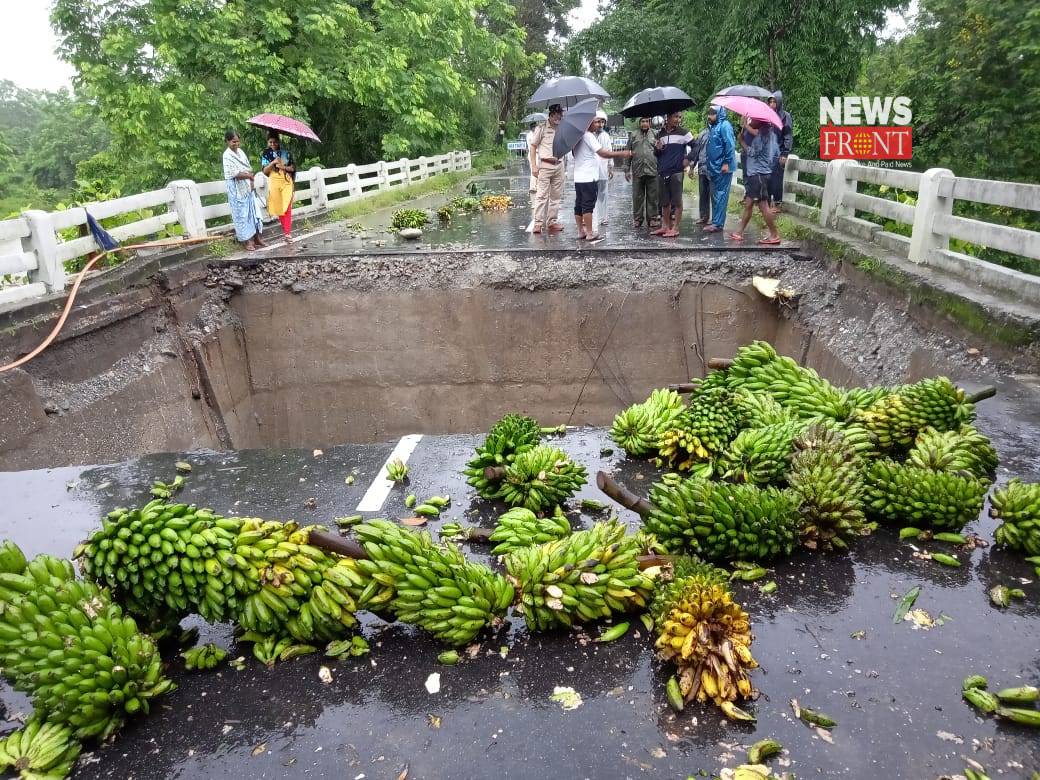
{"points": [[866, 142]]}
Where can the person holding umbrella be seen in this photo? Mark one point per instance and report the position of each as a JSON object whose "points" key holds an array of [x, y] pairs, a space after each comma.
{"points": [[587, 153], [671, 165], [762, 153], [642, 172], [238, 178], [548, 172], [722, 159], [280, 169]]}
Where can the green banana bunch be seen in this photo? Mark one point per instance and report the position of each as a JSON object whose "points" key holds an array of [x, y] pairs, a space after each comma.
{"points": [[759, 456], [702, 431], [897, 419], [167, 561], [520, 527], [827, 476], [205, 657], [513, 434], [722, 522], [865, 397], [12, 559], [904, 495], [39, 751], [706, 634], [584, 576], [541, 477], [396, 470], [270, 649], [760, 409], [963, 450], [65, 643], [1017, 506], [638, 429], [432, 586], [757, 367]]}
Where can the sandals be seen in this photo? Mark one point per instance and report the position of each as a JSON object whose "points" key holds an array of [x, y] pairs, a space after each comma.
{"points": [[736, 236], [712, 229], [670, 234], [769, 240]]}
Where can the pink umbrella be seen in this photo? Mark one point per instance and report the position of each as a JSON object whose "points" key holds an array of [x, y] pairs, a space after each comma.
{"points": [[286, 125], [749, 107]]}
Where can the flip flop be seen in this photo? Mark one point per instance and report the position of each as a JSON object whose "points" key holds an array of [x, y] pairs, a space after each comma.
{"points": [[712, 229], [670, 234], [735, 237], [769, 240]]}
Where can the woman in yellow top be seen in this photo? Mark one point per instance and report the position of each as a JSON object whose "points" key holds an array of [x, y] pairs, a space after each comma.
{"points": [[280, 169]]}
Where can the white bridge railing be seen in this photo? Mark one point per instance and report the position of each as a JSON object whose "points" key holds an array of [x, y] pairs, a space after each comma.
{"points": [[33, 252], [929, 217]]}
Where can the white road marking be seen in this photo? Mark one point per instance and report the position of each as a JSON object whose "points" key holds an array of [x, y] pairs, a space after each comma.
{"points": [[381, 486]]}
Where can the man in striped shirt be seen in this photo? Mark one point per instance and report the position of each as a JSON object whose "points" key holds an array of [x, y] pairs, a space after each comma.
{"points": [[671, 163]]}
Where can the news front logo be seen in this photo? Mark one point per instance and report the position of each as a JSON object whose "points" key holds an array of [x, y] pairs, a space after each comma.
{"points": [[865, 128]]}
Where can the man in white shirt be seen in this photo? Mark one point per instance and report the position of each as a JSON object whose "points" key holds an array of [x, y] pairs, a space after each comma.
{"points": [[587, 154], [606, 170]]}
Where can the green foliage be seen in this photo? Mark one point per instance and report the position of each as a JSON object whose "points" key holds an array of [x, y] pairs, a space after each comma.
{"points": [[375, 79], [409, 218], [807, 49]]}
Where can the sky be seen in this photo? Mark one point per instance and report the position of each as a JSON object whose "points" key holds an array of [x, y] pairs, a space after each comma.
{"points": [[27, 57]]}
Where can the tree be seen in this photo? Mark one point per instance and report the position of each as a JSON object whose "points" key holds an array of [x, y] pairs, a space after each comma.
{"points": [[807, 48], [377, 77], [972, 71]]}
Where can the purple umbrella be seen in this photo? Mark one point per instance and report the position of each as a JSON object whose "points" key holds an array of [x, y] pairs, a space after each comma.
{"points": [[286, 125]]}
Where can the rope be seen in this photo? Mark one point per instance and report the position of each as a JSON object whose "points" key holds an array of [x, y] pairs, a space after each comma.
{"points": [[75, 288]]}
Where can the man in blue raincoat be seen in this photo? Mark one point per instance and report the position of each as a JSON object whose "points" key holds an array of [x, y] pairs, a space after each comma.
{"points": [[722, 159]]}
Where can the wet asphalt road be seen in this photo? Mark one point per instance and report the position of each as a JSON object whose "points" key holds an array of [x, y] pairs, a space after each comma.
{"points": [[507, 229], [826, 637]]}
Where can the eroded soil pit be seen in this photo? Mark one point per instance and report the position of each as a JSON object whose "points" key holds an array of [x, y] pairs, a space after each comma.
{"points": [[317, 351], [246, 369]]}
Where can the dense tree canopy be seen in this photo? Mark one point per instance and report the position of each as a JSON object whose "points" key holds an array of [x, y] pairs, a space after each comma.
{"points": [[375, 77], [807, 48], [972, 70]]}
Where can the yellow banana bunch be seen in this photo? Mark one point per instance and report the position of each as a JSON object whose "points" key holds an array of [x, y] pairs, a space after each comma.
{"points": [[706, 634]]}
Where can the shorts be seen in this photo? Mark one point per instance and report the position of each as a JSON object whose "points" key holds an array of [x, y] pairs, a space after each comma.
{"points": [[585, 193], [669, 189], [756, 188]]}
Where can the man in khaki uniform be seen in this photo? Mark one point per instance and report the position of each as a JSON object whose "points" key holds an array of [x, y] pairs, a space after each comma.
{"points": [[548, 171]]}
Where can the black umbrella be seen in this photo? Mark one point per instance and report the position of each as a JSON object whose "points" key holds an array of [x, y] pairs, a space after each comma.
{"points": [[656, 101], [537, 116], [573, 126], [567, 90], [746, 90]]}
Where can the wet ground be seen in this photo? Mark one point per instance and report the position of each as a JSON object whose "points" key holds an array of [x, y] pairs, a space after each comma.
{"points": [[826, 638], [507, 229]]}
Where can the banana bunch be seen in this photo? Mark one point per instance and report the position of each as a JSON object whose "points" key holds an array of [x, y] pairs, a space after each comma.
{"points": [[520, 527], [541, 477], [270, 649], [706, 634], [39, 751], [760, 409], [759, 456], [638, 429], [757, 367], [65, 643], [585, 576], [396, 470], [161, 561], [722, 522], [702, 431], [284, 585], [963, 450], [1017, 505], [897, 418], [865, 397], [205, 657], [905, 495], [433, 586], [513, 434], [827, 476]]}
